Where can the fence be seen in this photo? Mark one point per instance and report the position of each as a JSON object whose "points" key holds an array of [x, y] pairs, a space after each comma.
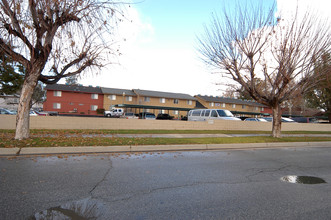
{"points": [[62, 122]]}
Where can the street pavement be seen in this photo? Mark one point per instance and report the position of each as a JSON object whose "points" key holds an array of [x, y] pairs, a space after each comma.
{"points": [[225, 184]]}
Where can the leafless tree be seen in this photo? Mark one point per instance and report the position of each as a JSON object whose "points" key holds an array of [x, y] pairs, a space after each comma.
{"points": [[251, 44], [55, 39]]}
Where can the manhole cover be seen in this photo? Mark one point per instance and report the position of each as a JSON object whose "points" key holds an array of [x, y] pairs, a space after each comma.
{"points": [[302, 179]]}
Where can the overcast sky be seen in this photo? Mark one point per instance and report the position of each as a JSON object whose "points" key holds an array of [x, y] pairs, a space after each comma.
{"points": [[160, 48]]}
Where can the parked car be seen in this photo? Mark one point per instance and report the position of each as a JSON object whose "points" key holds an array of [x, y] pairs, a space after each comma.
{"points": [[147, 115], [41, 113], [256, 119], [33, 113], [164, 117], [128, 115], [116, 112], [210, 114], [305, 119], [269, 119], [4, 111]]}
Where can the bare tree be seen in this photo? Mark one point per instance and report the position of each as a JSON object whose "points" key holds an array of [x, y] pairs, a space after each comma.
{"points": [[251, 44], [53, 39]]}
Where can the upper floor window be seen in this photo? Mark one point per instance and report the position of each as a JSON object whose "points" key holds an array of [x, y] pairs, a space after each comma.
{"points": [[128, 98], [233, 105], [176, 101], [112, 97], [223, 105], [189, 102], [147, 99], [58, 93], [262, 109], [162, 100], [243, 106], [94, 96], [211, 104]]}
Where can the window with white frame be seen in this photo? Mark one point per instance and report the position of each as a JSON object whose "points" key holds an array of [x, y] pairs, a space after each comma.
{"points": [[262, 109], [58, 93], [147, 99], [176, 101], [94, 96], [56, 105], [189, 102], [128, 98], [94, 107], [175, 112], [211, 104], [223, 105], [217, 104], [256, 108], [162, 100], [233, 105], [112, 97]]}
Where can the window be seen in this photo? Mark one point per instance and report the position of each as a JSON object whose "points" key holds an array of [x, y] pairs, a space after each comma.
{"points": [[94, 107], [176, 101], [196, 113], [207, 113], [175, 112], [94, 96], [262, 109], [211, 104], [128, 98], [213, 114], [233, 105], [243, 106], [162, 100], [58, 93], [217, 104], [147, 99], [189, 102], [112, 97], [56, 105], [223, 105]]}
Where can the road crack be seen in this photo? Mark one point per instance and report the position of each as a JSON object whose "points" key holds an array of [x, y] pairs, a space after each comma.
{"points": [[103, 178]]}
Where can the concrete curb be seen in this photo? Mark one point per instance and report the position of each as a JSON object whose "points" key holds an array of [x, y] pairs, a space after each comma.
{"points": [[149, 148]]}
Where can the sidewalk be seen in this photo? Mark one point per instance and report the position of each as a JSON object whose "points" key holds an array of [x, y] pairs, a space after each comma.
{"points": [[151, 148]]}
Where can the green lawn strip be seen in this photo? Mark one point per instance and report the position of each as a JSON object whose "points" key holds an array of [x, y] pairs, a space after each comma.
{"points": [[103, 141]]}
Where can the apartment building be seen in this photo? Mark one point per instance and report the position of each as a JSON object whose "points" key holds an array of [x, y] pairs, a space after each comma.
{"points": [[238, 107], [73, 99], [82, 100], [175, 104]]}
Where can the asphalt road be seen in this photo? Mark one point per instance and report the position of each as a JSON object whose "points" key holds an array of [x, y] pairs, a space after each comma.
{"points": [[237, 184]]}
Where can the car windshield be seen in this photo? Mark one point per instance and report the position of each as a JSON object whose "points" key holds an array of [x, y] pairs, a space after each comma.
{"points": [[149, 116], [224, 113]]}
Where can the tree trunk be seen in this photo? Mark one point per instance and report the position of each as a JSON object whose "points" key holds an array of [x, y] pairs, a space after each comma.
{"points": [[23, 111], [277, 121]]}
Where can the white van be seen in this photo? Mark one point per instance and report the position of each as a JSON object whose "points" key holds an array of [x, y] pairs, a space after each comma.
{"points": [[210, 114]]}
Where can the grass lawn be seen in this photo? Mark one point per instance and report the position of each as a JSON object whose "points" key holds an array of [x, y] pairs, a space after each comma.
{"points": [[52, 138]]}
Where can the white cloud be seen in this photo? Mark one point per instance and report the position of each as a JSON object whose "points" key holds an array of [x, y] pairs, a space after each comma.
{"points": [[145, 65]]}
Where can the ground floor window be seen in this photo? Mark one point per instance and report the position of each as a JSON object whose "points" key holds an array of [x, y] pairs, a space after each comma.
{"points": [[94, 107], [56, 105]]}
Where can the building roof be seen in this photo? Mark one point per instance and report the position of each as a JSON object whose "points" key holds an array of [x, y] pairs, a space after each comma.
{"points": [[113, 91], [229, 100], [149, 93], [74, 88]]}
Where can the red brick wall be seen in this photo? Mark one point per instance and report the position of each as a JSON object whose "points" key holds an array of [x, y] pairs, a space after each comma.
{"points": [[72, 100]]}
